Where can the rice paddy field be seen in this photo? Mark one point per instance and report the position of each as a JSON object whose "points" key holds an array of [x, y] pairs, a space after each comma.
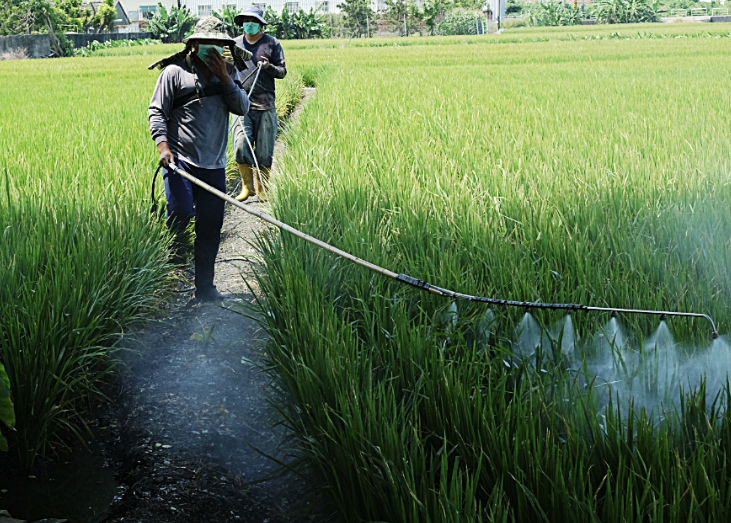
{"points": [[588, 166], [81, 256]]}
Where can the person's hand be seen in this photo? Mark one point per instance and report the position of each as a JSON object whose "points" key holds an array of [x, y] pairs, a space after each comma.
{"points": [[227, 56], [217, 65], [264, 63], [166, 155]]}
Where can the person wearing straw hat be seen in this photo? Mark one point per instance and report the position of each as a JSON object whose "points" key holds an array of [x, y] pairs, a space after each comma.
{"points": [[189, 116], [260, 125]]}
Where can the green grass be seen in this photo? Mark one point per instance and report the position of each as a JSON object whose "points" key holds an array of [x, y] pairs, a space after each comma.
{"points": [[590, 171]]}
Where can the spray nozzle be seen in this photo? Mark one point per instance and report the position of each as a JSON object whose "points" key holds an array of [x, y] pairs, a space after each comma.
{"points": [[614, 314], [714, 335], [663, 317]]}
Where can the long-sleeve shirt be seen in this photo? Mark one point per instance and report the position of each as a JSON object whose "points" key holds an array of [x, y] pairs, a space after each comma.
{"points": [[197, 131], [263, 97]]}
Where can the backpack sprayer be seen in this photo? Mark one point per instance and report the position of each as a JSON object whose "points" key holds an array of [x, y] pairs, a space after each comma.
{"points": [[425, 286]]}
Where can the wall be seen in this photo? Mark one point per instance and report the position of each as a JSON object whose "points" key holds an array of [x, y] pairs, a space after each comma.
{"points": [[82, 39], [36, 46]]}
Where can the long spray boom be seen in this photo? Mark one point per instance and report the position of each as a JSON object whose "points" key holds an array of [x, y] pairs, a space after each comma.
{"points": [[425, 286]]}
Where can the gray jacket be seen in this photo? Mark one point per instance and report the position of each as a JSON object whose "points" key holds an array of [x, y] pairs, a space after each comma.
{"points": [[196, 131]]}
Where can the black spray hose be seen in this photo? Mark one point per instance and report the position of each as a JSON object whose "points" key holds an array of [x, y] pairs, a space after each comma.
{"points": [[422, 285]]}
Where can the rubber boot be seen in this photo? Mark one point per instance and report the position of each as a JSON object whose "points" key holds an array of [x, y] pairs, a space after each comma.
{"points": [[263, 186], [247, 181]]}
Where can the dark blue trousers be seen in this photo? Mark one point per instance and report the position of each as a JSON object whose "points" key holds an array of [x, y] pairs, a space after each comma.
{"points": [[186, 200]]}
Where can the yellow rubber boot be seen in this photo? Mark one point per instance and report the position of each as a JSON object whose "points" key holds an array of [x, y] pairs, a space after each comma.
{"points": [[261, 188], [247, 181]]}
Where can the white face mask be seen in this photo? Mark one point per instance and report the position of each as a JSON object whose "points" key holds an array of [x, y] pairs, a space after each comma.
{"points": [[203, 50]]}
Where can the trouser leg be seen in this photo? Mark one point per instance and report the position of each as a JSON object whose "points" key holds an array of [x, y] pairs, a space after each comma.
{"points": [[209, 221], [180, 210], [244, 127], [266, 136]]}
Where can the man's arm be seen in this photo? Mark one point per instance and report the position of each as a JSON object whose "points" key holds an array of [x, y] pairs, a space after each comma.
{"points": [[158, 113], [275, 66]]}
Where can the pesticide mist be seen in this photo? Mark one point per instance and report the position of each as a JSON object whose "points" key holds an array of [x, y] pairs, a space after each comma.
{"points": [[649, 373]]}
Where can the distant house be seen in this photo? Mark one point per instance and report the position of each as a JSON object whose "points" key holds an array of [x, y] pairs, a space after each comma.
{"points": [[206, 7], [140, 10]]}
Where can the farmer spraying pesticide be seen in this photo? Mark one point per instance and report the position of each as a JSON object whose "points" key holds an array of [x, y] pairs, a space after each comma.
{"points": [[189, 116], [260, 124]]}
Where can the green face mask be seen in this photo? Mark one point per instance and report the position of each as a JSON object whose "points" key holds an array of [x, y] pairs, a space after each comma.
{"points": [[251, 28], [203, 50]]}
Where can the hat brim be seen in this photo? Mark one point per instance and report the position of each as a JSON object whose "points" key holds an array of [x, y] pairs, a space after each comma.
{"points": [[239, 19], [221, 37]]}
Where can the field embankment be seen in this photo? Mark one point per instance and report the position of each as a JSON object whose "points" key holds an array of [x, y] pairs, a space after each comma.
{"points": [[591, 171]]}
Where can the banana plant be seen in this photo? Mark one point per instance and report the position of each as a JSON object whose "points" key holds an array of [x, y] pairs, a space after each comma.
{"points": [[7, 411], [626, 11], [554, 13], [171, 27], [227, 15]]}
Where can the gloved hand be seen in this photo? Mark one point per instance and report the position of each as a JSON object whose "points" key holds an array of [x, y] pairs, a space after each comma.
{"points": [[242, 56], [227, 56]]}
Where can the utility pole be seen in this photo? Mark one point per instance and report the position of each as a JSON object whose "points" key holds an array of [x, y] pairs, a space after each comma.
{"points": [[406, 31]]}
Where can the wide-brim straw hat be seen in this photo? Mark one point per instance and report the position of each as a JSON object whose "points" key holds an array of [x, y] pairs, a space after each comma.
{"points": [[210, 28], [250, 11]]}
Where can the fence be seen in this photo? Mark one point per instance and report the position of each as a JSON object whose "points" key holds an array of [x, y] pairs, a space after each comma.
{"points": [[35, 46]]}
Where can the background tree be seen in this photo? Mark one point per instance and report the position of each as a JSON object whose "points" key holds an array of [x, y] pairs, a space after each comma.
{"points": [[403, 16], [279, 26], [26, 16], [358, 17], [309, 25], [171, 27], [555, 13], [227, 15], [96, 19], [301, 24], [457, 22], [625, 11], [433, 11]]}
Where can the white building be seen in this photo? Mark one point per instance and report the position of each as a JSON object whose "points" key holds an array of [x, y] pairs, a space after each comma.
{"points": [[137, 10], [206, 7]]}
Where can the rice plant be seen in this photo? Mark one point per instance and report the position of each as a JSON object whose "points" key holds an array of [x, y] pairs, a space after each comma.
{"points": [[575, 170], [81, 256]]}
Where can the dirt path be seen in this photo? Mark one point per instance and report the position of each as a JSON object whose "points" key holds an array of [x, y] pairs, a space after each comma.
{"points": [[191, 404]]}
